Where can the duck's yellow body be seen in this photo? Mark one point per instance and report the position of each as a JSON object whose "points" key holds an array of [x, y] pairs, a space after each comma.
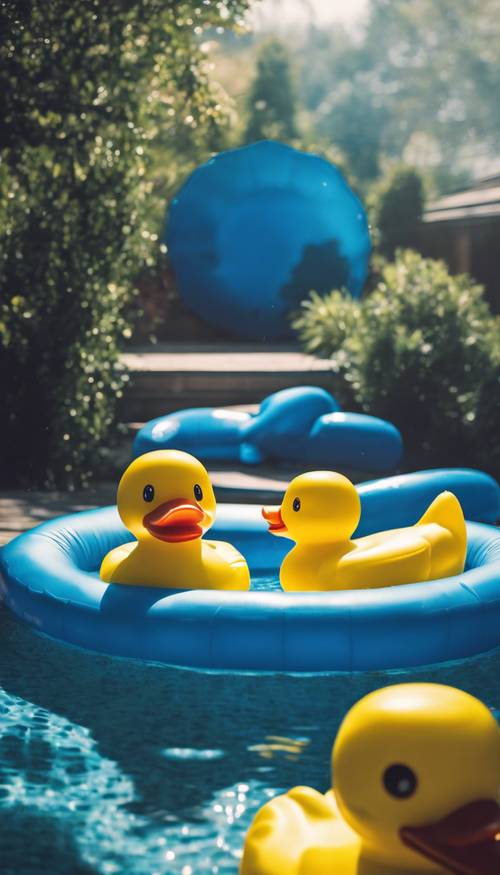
{"points": [[321, 510], [417, 777], [205, 565], [165, 498], [298, 833]]}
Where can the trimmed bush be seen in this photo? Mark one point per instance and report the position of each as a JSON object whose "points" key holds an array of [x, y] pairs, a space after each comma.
{"points": [[84, 89], [422, 351], [397, 204]]}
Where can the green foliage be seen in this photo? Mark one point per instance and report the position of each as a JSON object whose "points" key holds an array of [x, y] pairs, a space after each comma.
{"points": [[434, 54], [355, 123], [326, 321], [271, 104], [421, 74], [85, 89], [397, 207], [422, 351]]}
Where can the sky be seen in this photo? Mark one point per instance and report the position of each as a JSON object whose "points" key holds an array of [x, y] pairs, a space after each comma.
{"points": [[322, 11]]}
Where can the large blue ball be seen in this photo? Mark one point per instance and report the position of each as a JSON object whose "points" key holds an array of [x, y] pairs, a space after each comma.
{"points": [[255, 229]]}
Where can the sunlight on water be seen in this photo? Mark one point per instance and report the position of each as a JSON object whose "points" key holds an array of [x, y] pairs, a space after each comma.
{"points": [[110, 765], [189, 753], [53, 767]]}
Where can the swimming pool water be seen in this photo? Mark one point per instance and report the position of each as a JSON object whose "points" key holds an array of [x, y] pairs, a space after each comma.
{"points": [[110, 765]]}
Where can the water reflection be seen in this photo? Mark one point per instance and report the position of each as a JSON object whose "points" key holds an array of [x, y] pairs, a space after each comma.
{"points": [[109, 764]]}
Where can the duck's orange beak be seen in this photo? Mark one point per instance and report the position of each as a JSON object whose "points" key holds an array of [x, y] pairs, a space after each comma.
{"points": [[272, 515], [175, 521], [466, 842]]}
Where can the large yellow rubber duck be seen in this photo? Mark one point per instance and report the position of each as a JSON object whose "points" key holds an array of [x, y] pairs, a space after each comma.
{"points": [[417, 781], [165, 498], [321, 510]]}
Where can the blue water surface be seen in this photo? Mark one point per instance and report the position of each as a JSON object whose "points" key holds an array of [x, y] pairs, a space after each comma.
{"points": [[109, 765]]}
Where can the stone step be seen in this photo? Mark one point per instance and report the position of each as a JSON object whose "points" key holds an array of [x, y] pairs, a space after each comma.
{"points": [[172, 376]]}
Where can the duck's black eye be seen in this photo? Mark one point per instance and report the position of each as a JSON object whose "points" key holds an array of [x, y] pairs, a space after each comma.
{"points": [[400, 781], [148, 493], [198, 492], [296, 504]]}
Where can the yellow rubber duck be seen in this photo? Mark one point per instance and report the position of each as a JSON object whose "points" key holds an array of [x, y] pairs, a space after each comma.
{"points": [[165, 498], [417, 781], [321, 510]]}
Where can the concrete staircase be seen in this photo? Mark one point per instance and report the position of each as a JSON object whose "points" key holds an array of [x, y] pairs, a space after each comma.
{"points": [[168, 377]]}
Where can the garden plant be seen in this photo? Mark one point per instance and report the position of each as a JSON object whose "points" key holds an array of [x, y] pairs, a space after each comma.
{"points": [[423, 351]]}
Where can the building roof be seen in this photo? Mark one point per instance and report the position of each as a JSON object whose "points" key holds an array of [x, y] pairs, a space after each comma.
{"points": [[481, 201]]}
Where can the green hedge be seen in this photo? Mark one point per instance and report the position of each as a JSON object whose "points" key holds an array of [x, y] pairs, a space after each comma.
{"points": [[423, 351], [86, 89]]}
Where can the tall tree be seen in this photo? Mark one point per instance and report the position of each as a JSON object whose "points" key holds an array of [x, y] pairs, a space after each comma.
{"points": [[427, 71], [438, 63], [354, 122], [271, 103], [398, 203]]}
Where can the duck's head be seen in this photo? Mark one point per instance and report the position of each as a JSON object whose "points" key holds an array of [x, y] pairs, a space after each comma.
{"points": [[166, 496], [417, 775], [318, 507]]}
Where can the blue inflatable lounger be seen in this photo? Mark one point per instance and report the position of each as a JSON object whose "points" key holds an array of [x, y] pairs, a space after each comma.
{"points": [[304, 425], [254, 230], [50, 580]]}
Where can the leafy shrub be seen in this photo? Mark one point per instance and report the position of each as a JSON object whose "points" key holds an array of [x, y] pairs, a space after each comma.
{"points": [[423, 351], [397, 203], [326, 321], [84, 89]]}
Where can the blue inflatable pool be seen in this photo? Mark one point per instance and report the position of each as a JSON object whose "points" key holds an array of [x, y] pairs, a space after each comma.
{"points": [[303, 424], [255, 229], [49, 578]]}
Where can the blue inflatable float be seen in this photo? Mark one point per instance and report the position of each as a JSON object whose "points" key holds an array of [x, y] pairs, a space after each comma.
{"points": [[303, 425], [255, 229], [49, 578]]}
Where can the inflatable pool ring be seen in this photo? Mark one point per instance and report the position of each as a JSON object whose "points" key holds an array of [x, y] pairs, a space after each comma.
{"points": [[301, 425], [166, 500], [321, 510], [49, 577], [416, 771], [254, 229]]}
